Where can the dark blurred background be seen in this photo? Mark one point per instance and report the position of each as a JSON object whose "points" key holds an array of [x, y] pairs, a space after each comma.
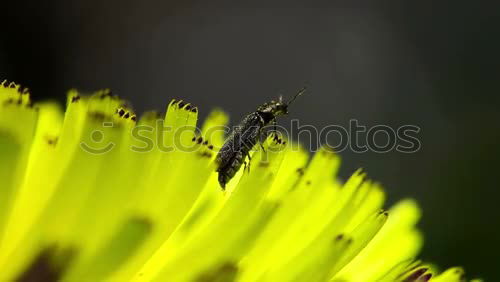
{"points": [[434, 65]]}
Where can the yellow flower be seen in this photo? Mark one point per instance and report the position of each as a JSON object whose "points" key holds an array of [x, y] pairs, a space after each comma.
{"points": [[96, 194]]}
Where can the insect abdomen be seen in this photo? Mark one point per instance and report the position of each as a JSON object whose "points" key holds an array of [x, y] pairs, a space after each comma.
{"points": [[232, 155], [227, 173]]}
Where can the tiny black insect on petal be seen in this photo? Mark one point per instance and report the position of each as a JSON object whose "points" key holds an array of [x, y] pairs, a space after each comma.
{"points": [[416, 275], [249, 132], [121, 112], [426, 277], [75, 99]]}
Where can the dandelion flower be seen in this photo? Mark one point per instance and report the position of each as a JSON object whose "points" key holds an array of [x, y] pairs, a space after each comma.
{"points": [[94, 193]]}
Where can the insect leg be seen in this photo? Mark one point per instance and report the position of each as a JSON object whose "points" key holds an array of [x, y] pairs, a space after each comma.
{"points": [[261, 133], [249, 161], [262, 147]]}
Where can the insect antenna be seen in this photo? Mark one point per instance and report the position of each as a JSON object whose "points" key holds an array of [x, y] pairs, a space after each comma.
{"points": [[301, 91]]}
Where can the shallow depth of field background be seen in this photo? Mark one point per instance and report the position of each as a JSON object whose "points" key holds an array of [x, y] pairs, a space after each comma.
{"points": [[432, 65]]}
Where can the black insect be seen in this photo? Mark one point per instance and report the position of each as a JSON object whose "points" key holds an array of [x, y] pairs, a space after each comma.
{"points": [[244, 137]]}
